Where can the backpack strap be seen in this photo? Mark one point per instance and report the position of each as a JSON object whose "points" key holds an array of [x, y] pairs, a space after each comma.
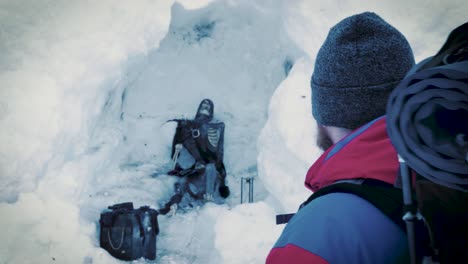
{"points": [[388, 199], [385, 197]]}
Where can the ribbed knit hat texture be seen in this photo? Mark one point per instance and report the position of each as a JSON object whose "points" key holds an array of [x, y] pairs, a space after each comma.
{"points": [[361, 61]]}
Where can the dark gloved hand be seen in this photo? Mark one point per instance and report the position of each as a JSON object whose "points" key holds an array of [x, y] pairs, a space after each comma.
{"points": [[224, 191]]}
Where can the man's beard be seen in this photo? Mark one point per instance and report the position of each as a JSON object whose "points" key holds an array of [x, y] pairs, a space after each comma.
{"points": [[324, 141]]}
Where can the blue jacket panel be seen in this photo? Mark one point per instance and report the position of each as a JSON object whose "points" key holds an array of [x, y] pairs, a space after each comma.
{"points": [[344, 228]]}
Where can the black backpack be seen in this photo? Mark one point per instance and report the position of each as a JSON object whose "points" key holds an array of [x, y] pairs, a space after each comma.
{"points": [[128, 233], [427, 122]]}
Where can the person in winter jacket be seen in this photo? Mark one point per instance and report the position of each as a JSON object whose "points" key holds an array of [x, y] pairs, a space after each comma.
{"points": [[198, 149], [361, 61]]}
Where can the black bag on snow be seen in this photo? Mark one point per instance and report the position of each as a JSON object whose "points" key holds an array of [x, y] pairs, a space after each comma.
{"points": [[128, 233]]}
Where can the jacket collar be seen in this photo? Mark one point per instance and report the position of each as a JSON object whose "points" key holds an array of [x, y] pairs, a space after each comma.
{"points": [[366, 153]]}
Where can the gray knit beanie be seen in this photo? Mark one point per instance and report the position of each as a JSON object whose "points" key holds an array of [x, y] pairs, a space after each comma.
{"points": [[361, 62]]}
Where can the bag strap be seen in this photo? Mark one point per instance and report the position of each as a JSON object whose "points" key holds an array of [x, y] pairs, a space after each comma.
{"points": [[110, 239]]}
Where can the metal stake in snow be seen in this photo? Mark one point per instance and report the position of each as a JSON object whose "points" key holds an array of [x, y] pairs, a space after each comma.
{"points": [[250, 182]]}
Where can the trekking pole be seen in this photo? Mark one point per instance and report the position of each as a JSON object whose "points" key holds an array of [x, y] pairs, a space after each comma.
{"points": [[410, 215], [248, 180], [251, 182], [242, 190]]}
